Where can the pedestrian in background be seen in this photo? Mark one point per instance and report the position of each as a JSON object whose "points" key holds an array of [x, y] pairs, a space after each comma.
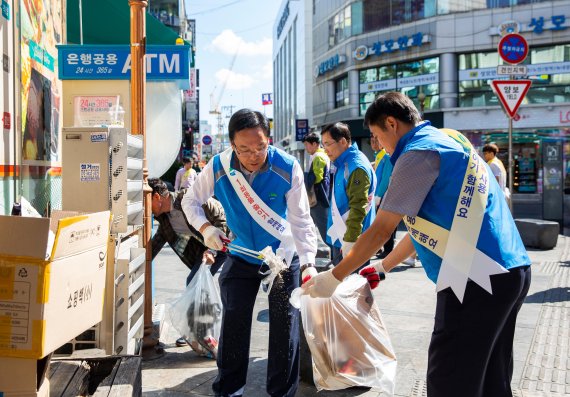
{"points": [[468, 243], [185, 240], [263, 193], [318, 182], [352, 200], [185, 176], [490, 152]]}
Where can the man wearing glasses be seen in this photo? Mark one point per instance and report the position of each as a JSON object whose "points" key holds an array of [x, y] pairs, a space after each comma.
{"points": [[262, 191], [352, 201]]}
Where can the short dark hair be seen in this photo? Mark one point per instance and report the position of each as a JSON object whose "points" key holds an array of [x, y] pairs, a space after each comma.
{"points": [[158, 186], [337, 130], [312, 137], [393, 104], [491, 147], [247, 118], [186, 160]]}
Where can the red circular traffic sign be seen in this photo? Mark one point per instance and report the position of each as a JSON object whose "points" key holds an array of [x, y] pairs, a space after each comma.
{"points": [[207, 140], [513, 48]]}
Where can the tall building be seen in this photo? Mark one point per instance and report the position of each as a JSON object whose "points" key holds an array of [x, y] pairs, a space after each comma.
{"points": [[292, 73], [443, 54]]}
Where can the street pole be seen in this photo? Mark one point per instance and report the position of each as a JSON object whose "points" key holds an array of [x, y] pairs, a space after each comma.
{"points": [[511, 161], [151, 348]]}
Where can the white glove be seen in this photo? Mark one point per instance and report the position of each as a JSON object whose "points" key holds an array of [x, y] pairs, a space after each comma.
{"points": [[346, 247], [308, 274], [214, 238], [322, 285], [380, 267]]}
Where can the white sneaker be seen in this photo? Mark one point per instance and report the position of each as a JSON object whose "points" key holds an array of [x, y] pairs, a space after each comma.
{"points": [[413, 262]]}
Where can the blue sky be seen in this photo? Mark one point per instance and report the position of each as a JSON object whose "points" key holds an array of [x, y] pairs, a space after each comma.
{"points": [[224, 27]]}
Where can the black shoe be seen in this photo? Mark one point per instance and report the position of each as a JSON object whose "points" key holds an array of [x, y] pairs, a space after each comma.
{"points": [[181, 342]]}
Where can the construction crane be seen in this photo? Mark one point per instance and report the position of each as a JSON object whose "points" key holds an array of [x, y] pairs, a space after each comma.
{"points": [[215, 105]]}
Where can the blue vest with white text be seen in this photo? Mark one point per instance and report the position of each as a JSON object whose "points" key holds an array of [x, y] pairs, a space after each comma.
{"points": [[346, 164], [271, 185], [499, 238]]}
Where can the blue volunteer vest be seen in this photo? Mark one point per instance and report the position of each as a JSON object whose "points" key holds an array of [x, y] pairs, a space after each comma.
{"points": [[345, 164], [499, 238], [271, 185], [383, 173]]}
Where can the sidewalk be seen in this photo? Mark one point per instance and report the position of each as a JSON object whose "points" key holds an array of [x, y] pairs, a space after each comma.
{"points": [[407, 302]]}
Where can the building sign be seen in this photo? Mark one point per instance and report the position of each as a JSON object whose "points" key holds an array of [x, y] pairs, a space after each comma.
{"points": [[533, 70], [389, 46], [6, 10], [509, 27], [190, 93], [328, 65], [537, 25], [283, 20], [392, 84], [97, 111], [301, 129], [113, 62]]}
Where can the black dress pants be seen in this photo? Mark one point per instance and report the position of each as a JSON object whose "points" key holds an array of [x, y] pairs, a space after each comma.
{"points": [[471, 349], [239, 285]]}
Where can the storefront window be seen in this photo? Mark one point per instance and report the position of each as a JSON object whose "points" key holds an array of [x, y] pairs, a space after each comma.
{"points": [[549, 70], [341, 92], [410, 78]]}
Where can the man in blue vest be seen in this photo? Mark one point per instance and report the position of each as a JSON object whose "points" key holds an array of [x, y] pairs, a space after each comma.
{"points": [[383, 170], [352, 200], [462, 229], [263, 194]]}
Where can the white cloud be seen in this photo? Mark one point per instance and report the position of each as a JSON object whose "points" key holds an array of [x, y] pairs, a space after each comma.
{"points": [[228, 42], [267, 71], [234, 81]]}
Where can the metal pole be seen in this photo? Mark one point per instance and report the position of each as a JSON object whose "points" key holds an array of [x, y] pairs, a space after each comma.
{"points": [[80, 23], [151, 348], [511, 162]]}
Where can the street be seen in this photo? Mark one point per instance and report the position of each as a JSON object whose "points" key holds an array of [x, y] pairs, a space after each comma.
{"points": [[407, 303]]}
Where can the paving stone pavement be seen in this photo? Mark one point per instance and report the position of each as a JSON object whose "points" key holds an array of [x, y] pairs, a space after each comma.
{"points": [[407, 302]]}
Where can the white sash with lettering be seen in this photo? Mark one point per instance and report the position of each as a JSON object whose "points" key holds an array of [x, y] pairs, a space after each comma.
{"points": [[265, 217], [338, 226], [461, 260]]}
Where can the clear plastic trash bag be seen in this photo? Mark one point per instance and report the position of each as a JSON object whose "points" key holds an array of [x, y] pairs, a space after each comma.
{"points": [[197, 314], [348, 341]]}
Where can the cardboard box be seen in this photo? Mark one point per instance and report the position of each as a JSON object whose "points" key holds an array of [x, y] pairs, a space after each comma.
{"points": [[51, 289], [22, 377]]}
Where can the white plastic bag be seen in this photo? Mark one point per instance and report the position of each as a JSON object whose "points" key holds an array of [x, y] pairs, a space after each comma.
{"points": [[348, 341], [197, 314]]}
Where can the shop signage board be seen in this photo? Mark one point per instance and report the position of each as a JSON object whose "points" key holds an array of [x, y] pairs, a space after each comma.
{"points": [[113, 62], [513, 48], [301, 129], [511, 93]]}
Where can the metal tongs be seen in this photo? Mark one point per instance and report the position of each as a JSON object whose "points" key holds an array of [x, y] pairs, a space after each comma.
{"points": [[264, 269]]}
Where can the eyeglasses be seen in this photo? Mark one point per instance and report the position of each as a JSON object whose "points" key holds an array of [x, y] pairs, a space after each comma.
{"points": [[328, 144], [251, 153]]}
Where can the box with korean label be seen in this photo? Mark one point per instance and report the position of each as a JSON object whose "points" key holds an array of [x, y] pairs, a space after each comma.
{"points": [[23, 377], [52, 281]]}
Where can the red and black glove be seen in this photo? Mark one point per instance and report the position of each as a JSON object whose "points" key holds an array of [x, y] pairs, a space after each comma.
{"points": [[373, 276]]}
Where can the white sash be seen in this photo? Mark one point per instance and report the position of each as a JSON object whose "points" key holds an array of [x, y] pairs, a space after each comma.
{"points": [[265, 217], [338, 226], [461, 260]]}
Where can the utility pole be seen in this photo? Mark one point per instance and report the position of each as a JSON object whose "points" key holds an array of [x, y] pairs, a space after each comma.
{"points": [[151, 348]]}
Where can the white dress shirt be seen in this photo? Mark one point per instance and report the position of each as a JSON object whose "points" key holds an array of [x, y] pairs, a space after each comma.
{"points": [[298, 211]]}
